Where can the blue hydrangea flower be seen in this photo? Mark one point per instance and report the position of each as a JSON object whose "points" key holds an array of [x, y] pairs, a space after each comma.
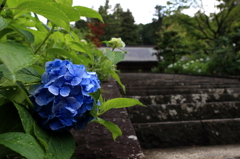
{"points": [[62, 101]]}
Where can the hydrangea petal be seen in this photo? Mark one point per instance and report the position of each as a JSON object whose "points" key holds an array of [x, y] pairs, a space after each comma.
{"points": [[53, 89], [56, 125], [75, 81], [45, 78], [64, 91]]}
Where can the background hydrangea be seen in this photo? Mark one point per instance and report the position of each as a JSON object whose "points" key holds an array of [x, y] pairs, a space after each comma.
{"points": [[116, 43], [62, 101]]}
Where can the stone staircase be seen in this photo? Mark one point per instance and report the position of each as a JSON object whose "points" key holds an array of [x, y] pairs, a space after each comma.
{"points": [[183, 110]]}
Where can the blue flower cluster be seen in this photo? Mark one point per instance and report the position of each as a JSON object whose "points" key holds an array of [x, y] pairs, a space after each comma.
{"points": [[62, 101]]}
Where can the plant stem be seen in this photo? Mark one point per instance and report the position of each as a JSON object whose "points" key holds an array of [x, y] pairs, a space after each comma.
{"points": [[49, 33]]}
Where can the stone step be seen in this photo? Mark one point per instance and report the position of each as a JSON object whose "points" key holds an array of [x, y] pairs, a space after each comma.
{"points": [[183, 112], [168, 85], [187, 98], [188, 133], [195, 152], [154, 91], [172, 77], [187, 80], [179, 86]]}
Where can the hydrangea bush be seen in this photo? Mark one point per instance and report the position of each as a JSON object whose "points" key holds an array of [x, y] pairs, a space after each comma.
{"points": [[49, 79], [63, 100]]}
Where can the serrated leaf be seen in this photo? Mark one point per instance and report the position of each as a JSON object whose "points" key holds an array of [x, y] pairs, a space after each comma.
{"points": [[114, 129], [3, 23], [116, 77], [72, 13], [15, 56], [114, 56], [118, 103], [60, 145], [65, 2], [49, 11], [24, 144], [87, 12]]}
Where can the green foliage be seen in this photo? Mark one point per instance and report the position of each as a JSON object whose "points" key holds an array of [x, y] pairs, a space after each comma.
{"points": [[114, 129], [15, 56], [24, 144], [212, 36], [3, 23], [118, 103], [26, 44], [115, 56]]}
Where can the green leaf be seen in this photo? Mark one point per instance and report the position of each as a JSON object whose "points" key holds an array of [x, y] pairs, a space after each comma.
{"points": [[76, 46], [31, 71], [26, 34], [27, 78], [87, 12], [118, 103], [24, 144], [49, 11], [114, 129], [72, 13], [9, 119], [116, 77], [65, 2], [114, 56], [25, 75], [65, 54], [15, 56], [26, 118], [3, 23], [96, 95], [5, 31], [60, 145], [81, 48]]}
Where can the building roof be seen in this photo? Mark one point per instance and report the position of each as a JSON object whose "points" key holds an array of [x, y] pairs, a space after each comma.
{"points": [[138, 54]]}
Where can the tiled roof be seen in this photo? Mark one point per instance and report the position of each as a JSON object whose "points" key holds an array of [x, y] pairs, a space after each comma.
{"points": [[140, 54]]}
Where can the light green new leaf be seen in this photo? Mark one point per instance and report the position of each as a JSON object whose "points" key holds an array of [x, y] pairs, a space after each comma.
{"points": [[3, 23], [65, 2], [87, 12], [116, 77], [59, 145], [24, 144], [118, 103], [49, 11], [114, 56], [72, 13], [114, 129], [15, 56], [76, 46], [65, 54]]}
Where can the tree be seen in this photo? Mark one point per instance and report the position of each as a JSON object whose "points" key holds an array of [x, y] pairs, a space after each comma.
{"points": [[128, 29]]}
